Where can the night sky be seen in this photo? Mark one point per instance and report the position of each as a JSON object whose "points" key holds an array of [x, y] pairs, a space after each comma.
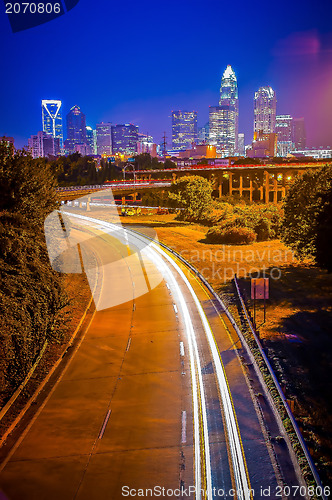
{"points": [[126, 61]]}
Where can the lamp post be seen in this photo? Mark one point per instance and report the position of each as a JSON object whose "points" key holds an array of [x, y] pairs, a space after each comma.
{"points": [[124, 171]]}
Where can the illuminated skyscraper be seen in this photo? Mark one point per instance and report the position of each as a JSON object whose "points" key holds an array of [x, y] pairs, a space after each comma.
{"points": [[203, 134], [52, 119], [76, 128], [265, 110], [104, 138], [224, 119], [91, 141], [241, 146], [184, 129], [284, 129], [299, 134], [124, 139]]}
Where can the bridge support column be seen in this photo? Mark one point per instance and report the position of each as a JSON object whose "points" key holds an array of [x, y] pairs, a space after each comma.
{"points": [[220, 185], [275, 190], [230, 184], [283, 189], [88, 204], [134, 196], [241, 185], [267, 186], [123, 200], [173, 177], [251, 189], [261, 193]]}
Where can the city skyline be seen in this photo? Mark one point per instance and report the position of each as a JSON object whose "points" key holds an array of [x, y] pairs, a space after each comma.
{"points": [[222, 128], [293, 56], [262, 116]]}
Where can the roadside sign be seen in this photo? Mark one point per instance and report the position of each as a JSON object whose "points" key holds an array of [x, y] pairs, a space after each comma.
{"points": [[131, 160], [259, 288]]}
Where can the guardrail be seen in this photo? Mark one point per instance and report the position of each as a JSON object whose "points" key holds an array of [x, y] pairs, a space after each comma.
{"points": [[119, 185], [281, 394]]}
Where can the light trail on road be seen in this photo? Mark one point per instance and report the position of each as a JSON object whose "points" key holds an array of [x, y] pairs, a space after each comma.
{"points": [[203, 475]]}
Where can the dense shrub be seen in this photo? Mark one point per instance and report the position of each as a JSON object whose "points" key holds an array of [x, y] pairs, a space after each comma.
{"points": [[219, 213], [231, 235], [31, 296], [263, 229], [192, 193], [265, 220]]}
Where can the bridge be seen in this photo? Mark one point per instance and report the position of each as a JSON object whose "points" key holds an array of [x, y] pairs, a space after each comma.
{"points": [[265, 183]]}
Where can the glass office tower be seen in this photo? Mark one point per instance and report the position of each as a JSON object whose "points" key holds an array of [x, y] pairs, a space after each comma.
{"points": [[124, 139], [104, 138], [76, 128], [52, 119], [184, 129], [284, 129]]}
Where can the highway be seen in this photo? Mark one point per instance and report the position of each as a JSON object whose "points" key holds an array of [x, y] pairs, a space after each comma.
{"points": [[155, 396]]}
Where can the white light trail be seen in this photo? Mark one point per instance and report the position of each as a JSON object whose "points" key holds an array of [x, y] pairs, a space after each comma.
{"points": [[237, 456]]}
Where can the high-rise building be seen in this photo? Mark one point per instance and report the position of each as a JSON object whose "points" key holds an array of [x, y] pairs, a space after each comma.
{"points": [[104, 138], [299, 134], [203, 134], [229, 98], [241, 146], [91, 141], [76, 128], [124, 139], [52, 119], [284, 129], [222, 128], [265, 110], [43, 145], [184, 129]]}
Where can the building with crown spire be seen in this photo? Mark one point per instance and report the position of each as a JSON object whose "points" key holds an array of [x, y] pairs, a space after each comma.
{"points": [[224, 119], [265, 110]]}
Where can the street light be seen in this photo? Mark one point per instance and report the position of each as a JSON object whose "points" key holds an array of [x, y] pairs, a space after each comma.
{"points": [[124, 171]]}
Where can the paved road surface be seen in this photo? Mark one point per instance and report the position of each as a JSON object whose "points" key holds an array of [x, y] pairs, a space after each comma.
{"points": [[145, 402]]}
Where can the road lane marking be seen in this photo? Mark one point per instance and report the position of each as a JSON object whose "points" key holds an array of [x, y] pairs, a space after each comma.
{"points": [[202, 464], [237, 455], [175, 308], [128, 345], [181, 349], [203, 476], [106, 419], [184, 427]]}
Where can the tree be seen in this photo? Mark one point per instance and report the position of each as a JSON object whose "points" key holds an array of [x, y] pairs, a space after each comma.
{"points": [[27, 186], [169, 164], [323, 234], [304, 214], [193, 194], [31, 296], [143, 161]]}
